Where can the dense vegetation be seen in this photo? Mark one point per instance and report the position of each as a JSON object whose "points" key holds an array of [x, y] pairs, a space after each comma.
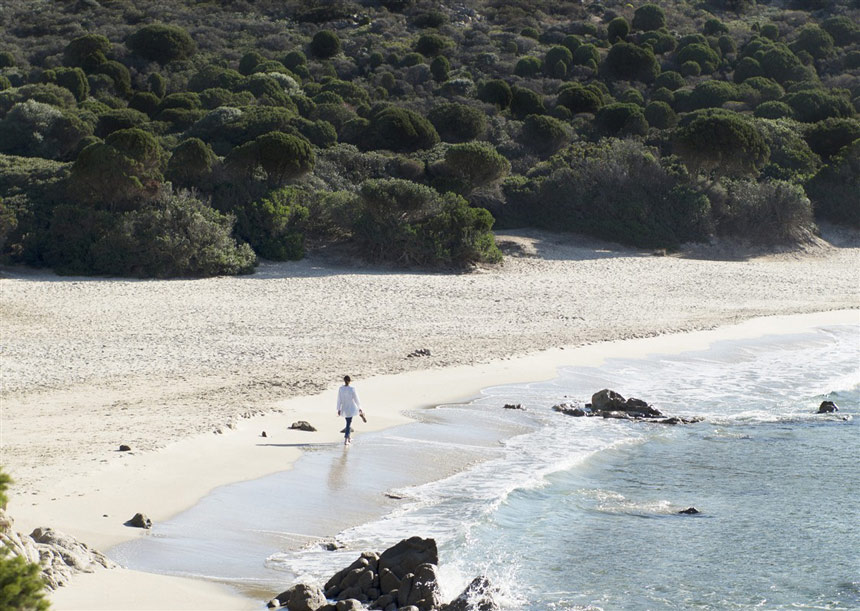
{"points": [[186, 138], [21, 585]]}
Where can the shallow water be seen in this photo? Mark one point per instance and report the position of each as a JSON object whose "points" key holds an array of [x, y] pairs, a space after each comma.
{"points": [[568, 513]]}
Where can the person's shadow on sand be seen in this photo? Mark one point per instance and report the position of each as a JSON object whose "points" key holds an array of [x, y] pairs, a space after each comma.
{"points": [[338, 471]]}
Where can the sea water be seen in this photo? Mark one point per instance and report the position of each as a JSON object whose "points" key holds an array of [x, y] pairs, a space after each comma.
{"points": [[562, 512]]}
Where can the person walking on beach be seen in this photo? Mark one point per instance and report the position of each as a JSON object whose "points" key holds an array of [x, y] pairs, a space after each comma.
{"points": [[348, 406]]}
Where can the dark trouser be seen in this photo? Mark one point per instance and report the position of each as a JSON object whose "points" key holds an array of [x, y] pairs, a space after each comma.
{"points": [[348, 429]]}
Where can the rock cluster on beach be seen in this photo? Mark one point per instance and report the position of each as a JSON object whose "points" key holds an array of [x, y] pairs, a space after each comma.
{"points": [[402, 578], [610, 404], [60, 556]]}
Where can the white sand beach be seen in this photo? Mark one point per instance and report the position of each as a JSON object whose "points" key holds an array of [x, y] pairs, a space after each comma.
{"points": [[188, 373]]}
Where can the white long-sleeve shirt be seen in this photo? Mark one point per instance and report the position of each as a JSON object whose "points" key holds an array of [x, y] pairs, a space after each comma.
{"points": [[347, 402]]}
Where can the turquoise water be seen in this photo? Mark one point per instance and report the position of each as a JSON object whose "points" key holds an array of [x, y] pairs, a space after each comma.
{"points": [[573, 513]]}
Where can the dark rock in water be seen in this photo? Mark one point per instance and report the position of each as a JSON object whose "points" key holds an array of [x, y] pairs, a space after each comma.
{"points": [[607, 401], [690, 511], [139, 521], [569, 410], [125, 448], [512, 406], [300, 597], [302, 425], [478, 596], [677, 420], [419, 352], [263, 434], [827, 407], [406, 556]]}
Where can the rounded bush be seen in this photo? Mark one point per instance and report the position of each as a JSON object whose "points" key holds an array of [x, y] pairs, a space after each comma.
{"points": [[162, 43], [828, 138], [746, 68], [274, 225], [712, 94], [621, 119], [702, 54], [842, 30], [661, 94], [714, 26], [629, 62], [586, 53], [557, 54], [157, 84], [766, 88], [725, 143], [770, 31], [87, 51], [439, 68], [187, 100], [632, 96], [670, 80], [527, 66], [117, 119], [835, 189], [525, 102], [814, 40], [73, 79], [773, 109], [119, 74], [660, 115], [458, 122], [477, 164], [400, 130], [660, 41], [190, 165], [572, 42], [648, 17], [249, 61], [530, 33], [816, 105], [294, 59], [7, 60], [691, 69], [578, 98], [432, 44], [618, 29], [496, 92], [325, 44], [780, 64]]}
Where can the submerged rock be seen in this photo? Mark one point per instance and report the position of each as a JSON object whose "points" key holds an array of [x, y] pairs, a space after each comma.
{"points": [[513, 406], [690, 511]]}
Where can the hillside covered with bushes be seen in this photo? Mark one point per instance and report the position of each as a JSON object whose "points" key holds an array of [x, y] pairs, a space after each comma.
{"points": [[189, 138]]}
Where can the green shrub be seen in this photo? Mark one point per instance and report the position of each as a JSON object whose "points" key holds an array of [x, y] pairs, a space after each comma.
{"points": [[842, 30], [648, 17], [87, 51], [791, 158], [439, 68], [527, 66], [747, 68], [294, 59], [712, 94], [702, 54], [815, 105], [628, 62], [119, 74], [618, 29], [660, 115], [714, 26], [660, 41], [780, 64], [586, 53], [578, 98], [34, 129], [409, 224], [621, 119], [249, 61], [632, 96], [458, 122], [7, 59], [572, 42], [835, 189], [525, 102], [274, 225], [661, 94], [770, 31], [5, 83], [476, 164], [814, 40], [336, 114], [496, 92], [399, 130], [73, 79], [691, 68], [766, 88], [773, 110], [146, 102], [281, 156], [829, 137], [210, 77], [350, 92], [722, 143], [157, 84], [670, 80], [120, 173], [320, 133], [190, 165], [117, 119], [618, 190], [325, 44], [431, 44], [769, 212], [162, 43], [21, 584], [558, 53], [544, 134]]}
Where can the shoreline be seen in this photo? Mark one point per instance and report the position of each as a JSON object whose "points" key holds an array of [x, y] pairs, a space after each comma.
{"points": [[251, 459]]}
